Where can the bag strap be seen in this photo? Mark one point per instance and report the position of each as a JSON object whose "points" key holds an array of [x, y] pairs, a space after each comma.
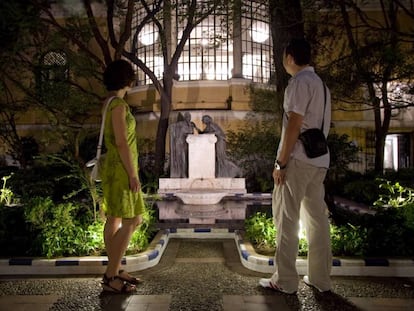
{"points": [[324, 106], [101, 133]]}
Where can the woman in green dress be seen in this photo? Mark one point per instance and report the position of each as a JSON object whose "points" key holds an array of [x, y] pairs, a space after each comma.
{"points": [[122, 197]]}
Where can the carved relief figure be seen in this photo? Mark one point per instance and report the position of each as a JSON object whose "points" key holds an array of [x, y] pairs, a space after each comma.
{"points": [[224, 167], [179, 146]]}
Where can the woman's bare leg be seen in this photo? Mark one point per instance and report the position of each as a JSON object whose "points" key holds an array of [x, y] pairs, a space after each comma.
{"points": [[117, 239]]}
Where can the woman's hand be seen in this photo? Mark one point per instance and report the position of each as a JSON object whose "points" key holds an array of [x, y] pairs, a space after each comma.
{"points": [[134, 184]]}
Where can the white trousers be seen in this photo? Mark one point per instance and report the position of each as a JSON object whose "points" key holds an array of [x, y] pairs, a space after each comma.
{"points": [[302, 197]]}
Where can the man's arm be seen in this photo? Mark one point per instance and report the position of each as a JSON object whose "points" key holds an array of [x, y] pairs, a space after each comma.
{"points": [[291, 133], [291, 136]]}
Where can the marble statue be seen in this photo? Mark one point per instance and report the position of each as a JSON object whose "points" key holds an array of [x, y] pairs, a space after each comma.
{"points": [[179, 146], [224, 167]]}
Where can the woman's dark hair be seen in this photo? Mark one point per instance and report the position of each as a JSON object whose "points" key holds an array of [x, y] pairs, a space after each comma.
{"points": [[300, 50], [118, 75]]}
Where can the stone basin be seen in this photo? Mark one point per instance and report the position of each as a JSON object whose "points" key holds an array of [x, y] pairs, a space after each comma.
{"points": [[200, 197]]}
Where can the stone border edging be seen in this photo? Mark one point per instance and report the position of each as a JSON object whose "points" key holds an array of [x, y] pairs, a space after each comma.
{"points": [[248, 257], [85, 265]]}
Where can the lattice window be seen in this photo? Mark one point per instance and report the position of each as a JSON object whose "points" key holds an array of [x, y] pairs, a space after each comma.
{"points": [[256, 41]]}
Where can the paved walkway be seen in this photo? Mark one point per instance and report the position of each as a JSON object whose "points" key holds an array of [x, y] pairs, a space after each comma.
{"points": [[196, 274]]}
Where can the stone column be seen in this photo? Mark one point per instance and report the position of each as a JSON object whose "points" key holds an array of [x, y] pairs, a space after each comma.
{"points": [[201, 156]]}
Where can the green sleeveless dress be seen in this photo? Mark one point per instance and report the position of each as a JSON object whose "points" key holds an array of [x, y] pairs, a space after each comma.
{"points": [[118, 200]]}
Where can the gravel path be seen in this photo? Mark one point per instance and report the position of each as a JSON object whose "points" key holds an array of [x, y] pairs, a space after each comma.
{"points": [[197, 274]]}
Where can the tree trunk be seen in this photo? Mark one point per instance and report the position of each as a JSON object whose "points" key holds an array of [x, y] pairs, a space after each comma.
{"points": [[379, 150], [286, 23], [163, 123]]}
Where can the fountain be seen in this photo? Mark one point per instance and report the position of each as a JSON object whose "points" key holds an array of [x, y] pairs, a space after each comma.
{"points": [[200, 195]]}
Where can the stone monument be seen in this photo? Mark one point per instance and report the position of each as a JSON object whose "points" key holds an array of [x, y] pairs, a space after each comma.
{"points": [[202, 185]]}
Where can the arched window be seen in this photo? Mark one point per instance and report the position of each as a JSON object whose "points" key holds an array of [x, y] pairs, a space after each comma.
{"points": [[53, 72]]}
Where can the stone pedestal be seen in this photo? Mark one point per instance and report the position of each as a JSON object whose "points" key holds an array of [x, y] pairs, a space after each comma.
{"points": [[201, 156], [201, 188], [232, 186]]}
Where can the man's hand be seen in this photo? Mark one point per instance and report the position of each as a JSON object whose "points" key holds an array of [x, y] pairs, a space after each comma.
{"points": [[279, 176]]}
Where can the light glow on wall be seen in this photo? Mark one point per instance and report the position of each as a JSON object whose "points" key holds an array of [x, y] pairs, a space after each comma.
{"points": [[148, 35], [259, 31]]}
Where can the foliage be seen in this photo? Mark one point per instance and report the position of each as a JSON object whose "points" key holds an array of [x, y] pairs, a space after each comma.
{"points": [[342, 153], [146, 160], [387, 232], [348, 240], [364, 190], [254, 149], [76, 174], [396, 195], [367, 60], [260, 230], [15, 236], [59, 233], [6, 194], [55, 217], [64, 230], [266, 101], [303, 244], [143, 235]]}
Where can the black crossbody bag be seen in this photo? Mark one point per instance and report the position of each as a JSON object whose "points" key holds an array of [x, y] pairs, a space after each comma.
{"points": [[313, 140]]}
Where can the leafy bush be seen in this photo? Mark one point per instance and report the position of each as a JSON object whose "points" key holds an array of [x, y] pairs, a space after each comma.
{"points": [[56, 216], [348, 240], [363, 191], [6, 194], [260, 230], [254, 149], [396, 195], [59, 233], [144, 234], [342, 153], [15, 236], [365, 188], [389, 232], [58, 230]]}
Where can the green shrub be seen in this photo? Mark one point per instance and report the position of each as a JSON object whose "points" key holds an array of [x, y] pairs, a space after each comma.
{"points": [[15, 237], [395, 196], [260, 230], [364, 191], [58, 231], [342, 153], [348, 240], [6, 194], [144, 234], [63, 230], [254, 150]]}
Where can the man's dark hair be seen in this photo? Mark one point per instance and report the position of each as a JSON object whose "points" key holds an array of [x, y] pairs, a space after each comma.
{"points": [[118, 75], [300, 50]]}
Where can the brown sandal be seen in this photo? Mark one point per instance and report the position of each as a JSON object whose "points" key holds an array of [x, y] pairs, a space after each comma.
{"points": [[128, 278], [125, 289]]}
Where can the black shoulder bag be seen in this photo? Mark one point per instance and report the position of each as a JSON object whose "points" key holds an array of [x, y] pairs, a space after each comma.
{"points": [[313, 140]]}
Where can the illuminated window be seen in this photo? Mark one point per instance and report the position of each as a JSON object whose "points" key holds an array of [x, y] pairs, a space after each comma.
{"points": [[209, 52], [256, 41], [148, 48]]}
